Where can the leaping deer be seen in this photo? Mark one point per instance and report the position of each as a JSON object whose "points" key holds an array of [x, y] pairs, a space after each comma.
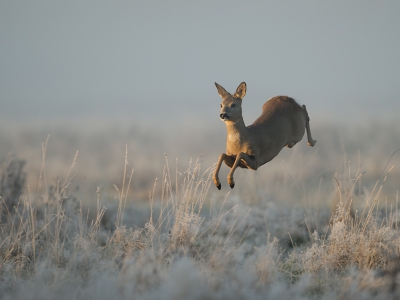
{"points": [[281, 124]]}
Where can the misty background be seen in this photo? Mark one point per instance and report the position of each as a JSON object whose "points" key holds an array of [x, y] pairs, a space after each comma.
{"points": [[110, 131], [144, 59], [102, 75]]}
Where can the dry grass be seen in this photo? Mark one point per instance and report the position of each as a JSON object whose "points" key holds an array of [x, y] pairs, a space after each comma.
{"points": [[186, 241]]}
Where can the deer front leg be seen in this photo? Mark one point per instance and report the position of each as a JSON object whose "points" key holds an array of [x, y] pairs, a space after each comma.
{"points": [[228, 160], [251, 164]]}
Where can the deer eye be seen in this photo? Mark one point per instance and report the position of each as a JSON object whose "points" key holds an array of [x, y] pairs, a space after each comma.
{"points": [[220, 105]]}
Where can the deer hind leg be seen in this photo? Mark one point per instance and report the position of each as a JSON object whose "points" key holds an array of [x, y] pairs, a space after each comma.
{"points": [[251, 164], [311, 142], [290, 145], [229, 161]]}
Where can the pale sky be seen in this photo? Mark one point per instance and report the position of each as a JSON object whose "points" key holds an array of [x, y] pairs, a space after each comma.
{"points": [[148, 57]]}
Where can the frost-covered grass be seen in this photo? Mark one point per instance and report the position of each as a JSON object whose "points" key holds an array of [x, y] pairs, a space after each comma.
{"points": [[187, 240]]}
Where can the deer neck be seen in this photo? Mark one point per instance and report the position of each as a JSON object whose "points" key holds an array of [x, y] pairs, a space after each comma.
{"points": [[236, 132]]}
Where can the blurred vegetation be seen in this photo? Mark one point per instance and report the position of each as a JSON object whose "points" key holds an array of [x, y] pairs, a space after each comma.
{"points": [[119, 218]]}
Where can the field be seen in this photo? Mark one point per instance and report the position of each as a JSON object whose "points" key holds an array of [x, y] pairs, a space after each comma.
{"points": [[93, 208]]}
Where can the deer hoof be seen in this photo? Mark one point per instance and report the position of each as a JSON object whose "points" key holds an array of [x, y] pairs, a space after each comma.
{"points": [[312, 143], [232, 185], [219, 186]]}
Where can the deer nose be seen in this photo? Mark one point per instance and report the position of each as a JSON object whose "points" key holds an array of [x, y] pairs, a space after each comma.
{"points": [[223, 116]]}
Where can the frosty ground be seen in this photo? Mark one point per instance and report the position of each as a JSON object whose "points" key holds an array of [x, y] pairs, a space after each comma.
{"points": [[119, 218]]}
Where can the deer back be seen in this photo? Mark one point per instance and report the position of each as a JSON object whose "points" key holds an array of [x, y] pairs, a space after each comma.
{"points": [[282, 121]]}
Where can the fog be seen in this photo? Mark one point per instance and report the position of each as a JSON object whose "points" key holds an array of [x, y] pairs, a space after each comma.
{"points": [[110, 133], [149, 58]]}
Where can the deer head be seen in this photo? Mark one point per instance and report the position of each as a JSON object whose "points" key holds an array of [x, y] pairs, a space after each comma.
{"points": [[231, 105]]}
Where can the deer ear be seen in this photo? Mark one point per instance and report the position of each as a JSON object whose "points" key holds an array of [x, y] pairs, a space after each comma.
{"points": [[221, 91], [240, 91]]}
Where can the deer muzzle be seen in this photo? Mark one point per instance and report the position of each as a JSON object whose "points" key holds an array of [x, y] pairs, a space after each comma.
{"points": [[224, 117]]}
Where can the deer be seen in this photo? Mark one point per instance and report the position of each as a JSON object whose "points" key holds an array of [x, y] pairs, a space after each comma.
{"points": [[282, 123]]}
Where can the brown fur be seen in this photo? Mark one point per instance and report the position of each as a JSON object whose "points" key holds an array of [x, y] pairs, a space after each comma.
{"points": [[282, 123]]}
